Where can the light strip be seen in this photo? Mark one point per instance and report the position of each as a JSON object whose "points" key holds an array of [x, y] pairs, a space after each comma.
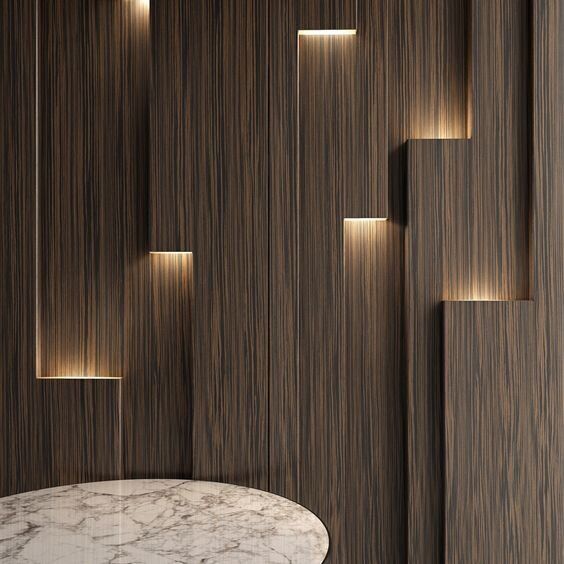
{"points": [[37, 304], [170, 252], [70, 377], [327, 32], [366, 219]]}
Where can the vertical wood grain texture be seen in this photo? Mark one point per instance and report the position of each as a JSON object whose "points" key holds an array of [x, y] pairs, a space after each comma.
{"points": [[322, 180], [467, 237], [328, 14], [428, 70], [157, 408], [428, 97], [177, 103], [494, 447], [284, 237], [85, 162], [20, 435], [274, 356], [323, 453], [53, 432], [371, 393], [547, 259], [210, 181]]}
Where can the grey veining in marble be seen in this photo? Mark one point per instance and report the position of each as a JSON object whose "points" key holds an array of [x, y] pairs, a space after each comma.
{"points": [[158, 521]]}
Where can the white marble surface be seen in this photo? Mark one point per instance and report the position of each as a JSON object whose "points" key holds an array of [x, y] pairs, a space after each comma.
{"points": [[158, 521]]}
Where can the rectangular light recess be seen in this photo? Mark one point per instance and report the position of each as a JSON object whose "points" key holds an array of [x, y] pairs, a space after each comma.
{"points": [[170, 252], [366, 219], [327, 32]]}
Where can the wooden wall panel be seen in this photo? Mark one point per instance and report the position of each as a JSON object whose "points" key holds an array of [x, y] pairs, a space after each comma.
{"points": [[371, 398], [494, 450], [322, 179], [328, 14], [20, 434], [230, 222], [329, 162], [280, 354], [85, 176], [210, 181], [467, 238], [54, 432], [157, 396], [284, 308], [428, 70], [547, 258], [179, 96]]}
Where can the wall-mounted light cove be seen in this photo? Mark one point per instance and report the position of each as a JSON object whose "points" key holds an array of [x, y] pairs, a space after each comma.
{"points": [[78, 377], [327, 32], [170, 252], [366, 219]]}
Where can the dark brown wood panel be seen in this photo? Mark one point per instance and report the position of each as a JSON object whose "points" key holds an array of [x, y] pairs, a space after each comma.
{"points": [[276, 355], [318, 306], [500, 148], [284, 237], [81, 434], [54, 432], [467, 238], [435, 170], [371, 398], [428, 97], [327, 14], [20, 432], [428, 70], [87, 165], [210, 181], [157, 408], [323, 176], [178, 100], [494, 447], [547, 259]]}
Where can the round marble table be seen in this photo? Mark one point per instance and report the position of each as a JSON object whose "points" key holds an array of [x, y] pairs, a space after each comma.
{"points": [[158, 521]]}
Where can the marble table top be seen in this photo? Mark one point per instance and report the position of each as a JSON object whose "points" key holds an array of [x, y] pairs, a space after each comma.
{"points": [[158, 521]]}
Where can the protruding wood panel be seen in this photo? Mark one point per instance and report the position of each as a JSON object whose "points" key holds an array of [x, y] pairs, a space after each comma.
{"points": [[230, 222], [494, 448], [81, 432], [178, 102], [20, 432], [371, 392], [434, 171], [87, 165], [547, 258]]}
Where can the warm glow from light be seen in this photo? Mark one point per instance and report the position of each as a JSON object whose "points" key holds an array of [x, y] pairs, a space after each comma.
{"points": [[327, 32], [78, 377], [146, 3], [366, 219], [170, 252]]}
